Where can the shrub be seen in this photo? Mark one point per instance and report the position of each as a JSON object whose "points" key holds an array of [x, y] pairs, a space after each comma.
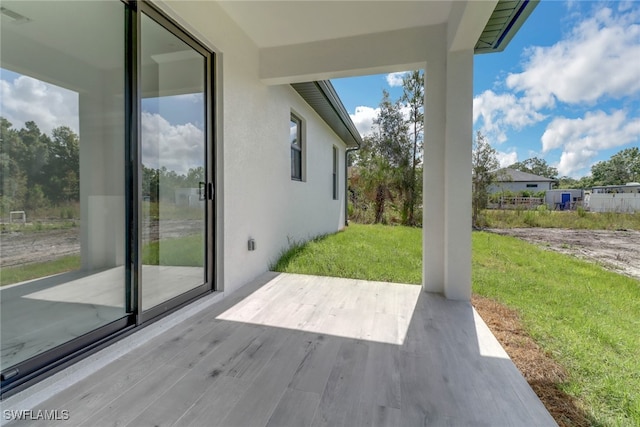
{"points": [[531, 219], [543, 210], [581, 212]]}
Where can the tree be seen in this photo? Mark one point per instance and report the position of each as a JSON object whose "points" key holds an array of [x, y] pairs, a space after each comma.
{"points": [[376, 175], [13, 180], [413, 96], [391, 136], [63, 166], [383, 160], [388, 163], [484, 173], [621, 168], [536, 166]]}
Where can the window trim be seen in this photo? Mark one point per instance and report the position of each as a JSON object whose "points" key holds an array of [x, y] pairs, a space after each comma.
{"points": [[334, 177], [298, 148]]}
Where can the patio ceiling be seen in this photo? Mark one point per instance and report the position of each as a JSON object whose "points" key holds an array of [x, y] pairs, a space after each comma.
{"points": [[281, 23]]}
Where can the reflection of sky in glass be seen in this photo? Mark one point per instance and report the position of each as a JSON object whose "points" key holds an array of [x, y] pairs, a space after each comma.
{"points": [[173, 126], [24, 99], [178, 109], [173, 132]]}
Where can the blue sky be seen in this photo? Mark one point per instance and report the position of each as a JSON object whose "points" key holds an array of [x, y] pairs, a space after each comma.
{"points": [[566, 89]]}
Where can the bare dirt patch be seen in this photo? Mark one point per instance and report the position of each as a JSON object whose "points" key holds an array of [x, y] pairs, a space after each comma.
{"points": [[18, 248], [544, 375], [617, 251], [25, 247]]}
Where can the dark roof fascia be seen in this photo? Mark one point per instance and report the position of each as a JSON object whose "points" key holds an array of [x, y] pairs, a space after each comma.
{"points": [[322, 97], [495, 39]]}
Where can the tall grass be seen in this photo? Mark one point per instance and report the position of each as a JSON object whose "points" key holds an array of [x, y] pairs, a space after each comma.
{"points": [[579, 219]]}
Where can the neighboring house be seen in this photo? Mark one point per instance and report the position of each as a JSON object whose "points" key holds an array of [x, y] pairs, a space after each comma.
{"points": [[239, 89], [514, 181]]}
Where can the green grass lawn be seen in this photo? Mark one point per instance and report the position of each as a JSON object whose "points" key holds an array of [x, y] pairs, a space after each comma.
{"points": [[587, 318], [184, 251], [9, 275], [362, 252]]}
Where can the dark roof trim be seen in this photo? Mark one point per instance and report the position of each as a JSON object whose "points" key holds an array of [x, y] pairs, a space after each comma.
{"points": [[504, 23], [322, 97]]}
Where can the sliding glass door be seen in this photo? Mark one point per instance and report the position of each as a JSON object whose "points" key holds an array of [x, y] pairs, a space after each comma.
{"points": [[174, 164], [106, 195], [62, 198]]}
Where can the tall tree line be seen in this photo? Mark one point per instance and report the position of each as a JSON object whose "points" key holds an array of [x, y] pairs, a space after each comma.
{"points": [[37, 170], [621, 168], [41, 171], [387, 170]]}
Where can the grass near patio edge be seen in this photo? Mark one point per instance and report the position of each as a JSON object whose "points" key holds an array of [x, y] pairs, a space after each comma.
{"points": [[587, 318], [22, 273]]}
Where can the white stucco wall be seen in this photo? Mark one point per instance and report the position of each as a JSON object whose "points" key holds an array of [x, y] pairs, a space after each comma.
{"points": [[256, 196]]}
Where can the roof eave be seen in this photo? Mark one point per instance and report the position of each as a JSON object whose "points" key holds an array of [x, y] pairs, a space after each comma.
{"points": [[322, 97], [496, 37]]}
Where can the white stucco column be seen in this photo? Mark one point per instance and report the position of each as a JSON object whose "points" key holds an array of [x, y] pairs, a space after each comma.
{"points": [[447, 174], [102, 190], [433, 220]]}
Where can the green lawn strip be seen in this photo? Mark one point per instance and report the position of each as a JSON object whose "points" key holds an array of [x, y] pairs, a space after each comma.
{"points": [[369, 252], [586, 317], [180, 251], [9, 275]]}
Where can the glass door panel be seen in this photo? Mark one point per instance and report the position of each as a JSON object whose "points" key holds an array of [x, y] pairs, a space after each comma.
{"points": [[62, 192], [173, 162]]}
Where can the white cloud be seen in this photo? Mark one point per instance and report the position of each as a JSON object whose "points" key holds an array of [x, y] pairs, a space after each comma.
{"points": [[506, 159], [580, 139], [363, 119], [599, 59], [176, 147], [596, 62], [499, 112], [395, 79], [26, 99]]}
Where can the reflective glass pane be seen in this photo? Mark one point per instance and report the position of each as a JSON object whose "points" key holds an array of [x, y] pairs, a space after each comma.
{"points": [[62, 195], [173, 165]]}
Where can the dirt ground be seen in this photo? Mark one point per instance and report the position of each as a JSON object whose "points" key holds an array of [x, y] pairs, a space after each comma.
{"points": [[19, 248], [617, 251]]}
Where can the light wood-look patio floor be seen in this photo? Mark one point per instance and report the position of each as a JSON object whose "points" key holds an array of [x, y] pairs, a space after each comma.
{"points": [[294, 350]]}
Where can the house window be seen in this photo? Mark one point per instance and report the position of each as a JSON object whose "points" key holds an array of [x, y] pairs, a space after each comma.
{"points": [[335, 173], [295, 138], [532, 185]]}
